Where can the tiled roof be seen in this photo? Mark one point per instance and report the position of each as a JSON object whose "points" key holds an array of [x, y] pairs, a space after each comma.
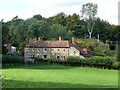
{"points": [[48, 44]]}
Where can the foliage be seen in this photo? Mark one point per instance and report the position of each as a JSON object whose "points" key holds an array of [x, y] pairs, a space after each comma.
{"points": [[4, 50], [18, 30], [38, 60], [82, 43], [89, 12], [58, 30], [39, 28], [97, 48], [12, 60]]}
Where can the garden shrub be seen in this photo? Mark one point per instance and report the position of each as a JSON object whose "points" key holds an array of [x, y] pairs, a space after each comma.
{"points": [[38, 60], [6, 59]]}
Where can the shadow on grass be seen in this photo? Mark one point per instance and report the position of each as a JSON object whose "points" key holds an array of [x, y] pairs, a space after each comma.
{"points": [[30, 84]]}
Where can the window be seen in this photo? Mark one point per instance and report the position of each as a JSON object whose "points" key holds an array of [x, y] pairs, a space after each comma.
{"points": [[58, 50], [38, 55], [30, 55], [63, 50], [52, 50], [33, 55], [45, 50], [33, 50], [38, 50], [74, 52], [28, 49], [88, 52], [61, 57], [58, 57]]}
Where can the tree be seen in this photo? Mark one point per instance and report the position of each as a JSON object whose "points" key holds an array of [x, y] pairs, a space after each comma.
{"points": [[69, 35], [39, 28], [57, 30], [89, 12]]}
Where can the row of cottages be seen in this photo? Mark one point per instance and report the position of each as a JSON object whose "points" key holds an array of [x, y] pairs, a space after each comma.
{"points": [[60, 49]]}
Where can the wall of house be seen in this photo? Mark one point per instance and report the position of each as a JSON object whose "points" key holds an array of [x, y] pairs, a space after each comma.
{"points": [[51, 52], [72, 50], [62, 53]]}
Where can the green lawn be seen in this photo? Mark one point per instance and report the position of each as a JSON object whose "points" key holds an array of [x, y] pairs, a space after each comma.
{"points": [[58, 76]]}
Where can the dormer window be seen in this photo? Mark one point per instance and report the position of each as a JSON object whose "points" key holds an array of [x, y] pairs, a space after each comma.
{"points": [[45, 50]]}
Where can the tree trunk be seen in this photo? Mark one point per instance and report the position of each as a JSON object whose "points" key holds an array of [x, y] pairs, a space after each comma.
{"points": [[90, 33]]}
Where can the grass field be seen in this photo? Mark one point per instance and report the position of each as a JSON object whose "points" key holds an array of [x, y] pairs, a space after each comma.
{"points": [[58, 76]]}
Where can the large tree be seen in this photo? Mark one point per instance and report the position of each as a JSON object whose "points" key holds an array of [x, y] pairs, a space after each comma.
{"points": [[88, 13]]}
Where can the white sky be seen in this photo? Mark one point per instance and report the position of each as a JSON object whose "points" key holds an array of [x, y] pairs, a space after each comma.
{"points": [[107, 9]]}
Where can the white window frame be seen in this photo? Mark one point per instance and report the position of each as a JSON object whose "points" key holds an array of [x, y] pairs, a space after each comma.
{"points": [[38, 50], [52, 49], [28, 49], [74, 52], [58, 50], [44, 49], [30, 55], [33, 49], [61, 57], [64, 50]]}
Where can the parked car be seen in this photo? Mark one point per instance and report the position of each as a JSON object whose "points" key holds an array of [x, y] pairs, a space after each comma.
{"points": [[29, 61]]}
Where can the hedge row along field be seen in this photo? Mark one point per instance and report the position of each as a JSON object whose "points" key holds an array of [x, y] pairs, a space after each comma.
{"points": [[96, 61], [100, 62]]}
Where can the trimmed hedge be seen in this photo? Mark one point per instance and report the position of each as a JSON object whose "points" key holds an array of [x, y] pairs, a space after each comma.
{"points": [[12, 60], [106, 62]]}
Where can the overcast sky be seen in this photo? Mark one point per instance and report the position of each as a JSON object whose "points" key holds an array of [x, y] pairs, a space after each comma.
{"points": [[107, 9]]}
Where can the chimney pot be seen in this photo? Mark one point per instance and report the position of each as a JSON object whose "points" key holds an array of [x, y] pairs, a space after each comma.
{"points": [[30, 39], [73, 40], [39, 38], [60, 38]]}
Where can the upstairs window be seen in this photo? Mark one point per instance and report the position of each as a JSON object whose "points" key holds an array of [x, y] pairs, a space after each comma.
{"points": [[28, 50], [38, 50], [52, 50], [74, 52], [63, 50], [33, 50], [45, 50]]}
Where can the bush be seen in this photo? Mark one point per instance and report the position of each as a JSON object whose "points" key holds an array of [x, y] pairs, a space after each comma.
{"points": [[97, 60], [38, 60], [12, 60]]}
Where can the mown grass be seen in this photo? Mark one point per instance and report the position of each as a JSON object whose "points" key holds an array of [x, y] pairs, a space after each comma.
{"points": [[58, 76]]}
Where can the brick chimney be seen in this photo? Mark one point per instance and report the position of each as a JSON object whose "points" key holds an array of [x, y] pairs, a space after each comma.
{"points": [[73, 40], [60, 38], [39, 38], [30, 39], [9, 46]]}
